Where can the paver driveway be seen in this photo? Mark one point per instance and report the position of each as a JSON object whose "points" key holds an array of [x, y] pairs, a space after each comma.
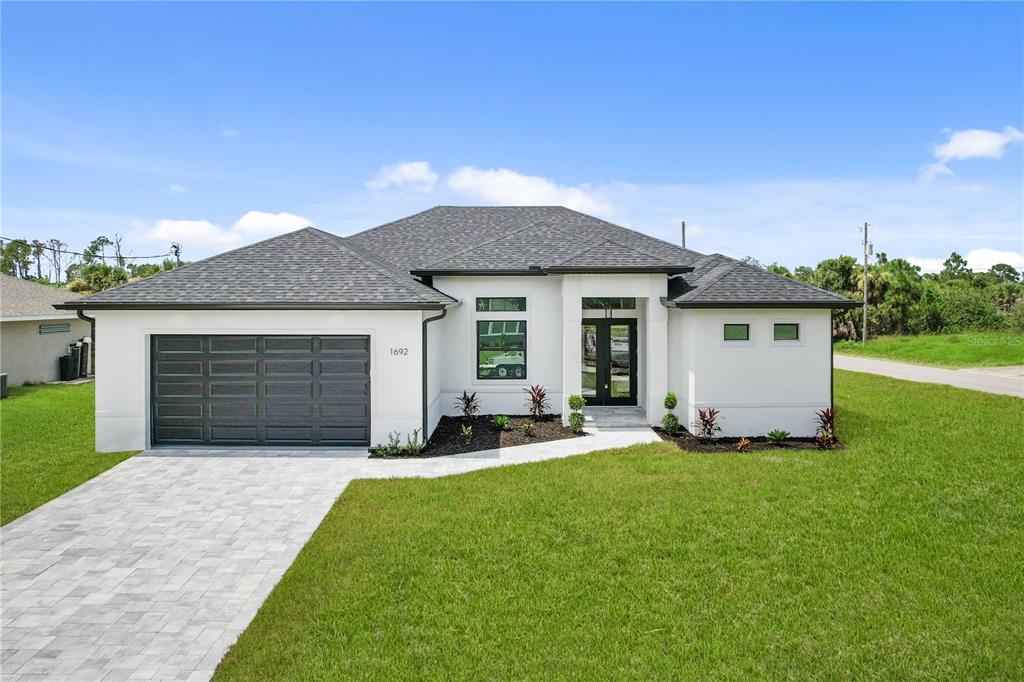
{"points": [[153, 568]]}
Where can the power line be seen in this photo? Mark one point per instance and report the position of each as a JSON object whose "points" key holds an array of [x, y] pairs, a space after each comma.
{"points": [[76, 253]]}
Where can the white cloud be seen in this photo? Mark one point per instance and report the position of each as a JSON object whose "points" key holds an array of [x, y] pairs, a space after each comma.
{"points": [[969, 144], [415, 174], [230, 132], [177, 189], [504, 186], [980, 260], [926, 264], [204, 237]]}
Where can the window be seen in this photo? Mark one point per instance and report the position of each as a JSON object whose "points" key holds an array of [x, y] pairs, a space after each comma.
{"points": [[500, 305], [737, 332], [609, 303], [501, 349], [55, 328], [787, 331]]}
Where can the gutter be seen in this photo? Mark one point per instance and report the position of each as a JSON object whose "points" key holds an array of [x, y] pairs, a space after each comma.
{"points": [[97, 305], [423, 353]]}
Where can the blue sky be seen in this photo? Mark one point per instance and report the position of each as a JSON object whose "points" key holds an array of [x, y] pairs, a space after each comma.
{"points": [[773, 130]]}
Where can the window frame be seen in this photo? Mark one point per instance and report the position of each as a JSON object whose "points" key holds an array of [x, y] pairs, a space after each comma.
{"points": [[790, 343], [618, 299], [477, 321], [500, 298], [736, 324], [775, 331]]}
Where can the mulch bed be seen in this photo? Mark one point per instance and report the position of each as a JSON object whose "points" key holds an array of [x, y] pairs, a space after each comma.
{"points": [[686, 441], [447, 439]]}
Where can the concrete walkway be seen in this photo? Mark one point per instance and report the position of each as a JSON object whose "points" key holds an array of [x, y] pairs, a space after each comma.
{"points": [[1001, 380], [152, 569]]}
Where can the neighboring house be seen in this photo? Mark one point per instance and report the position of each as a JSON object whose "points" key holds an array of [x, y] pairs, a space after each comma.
{"points": [[32, 334], [313, 339]]}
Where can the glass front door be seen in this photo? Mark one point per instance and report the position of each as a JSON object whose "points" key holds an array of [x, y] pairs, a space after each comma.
{"points": [[609, 361]]}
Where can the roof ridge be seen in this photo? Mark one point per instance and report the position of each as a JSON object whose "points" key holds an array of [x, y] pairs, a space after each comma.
{"points": [[716, 278], [201, 260], [477, 246], [338, 243], [785, 279], [608, 240], [623, 227], [392, 222]]}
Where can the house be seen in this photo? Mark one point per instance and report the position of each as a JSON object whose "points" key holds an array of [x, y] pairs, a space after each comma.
{"points": [[313, 339], [32, 334]]}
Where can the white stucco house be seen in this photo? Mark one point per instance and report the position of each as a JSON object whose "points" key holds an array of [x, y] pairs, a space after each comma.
{"points": [[313, 339], [33, 335]]}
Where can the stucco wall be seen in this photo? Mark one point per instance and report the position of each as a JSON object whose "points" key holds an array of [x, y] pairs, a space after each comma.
{"points": [[122, 362], [27, 355], [758, 385]]}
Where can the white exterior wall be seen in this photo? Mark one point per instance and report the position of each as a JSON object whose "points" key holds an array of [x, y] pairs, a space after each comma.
{"points": [[758, 385], [457, 330], [27, 355], [123, 354]]}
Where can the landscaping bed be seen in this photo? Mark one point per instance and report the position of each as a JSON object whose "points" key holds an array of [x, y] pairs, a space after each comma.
{"points": [[687, 441], [447, 438]]}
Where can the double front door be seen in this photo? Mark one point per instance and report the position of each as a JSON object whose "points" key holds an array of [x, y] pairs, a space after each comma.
{"points": [[609, 361]]}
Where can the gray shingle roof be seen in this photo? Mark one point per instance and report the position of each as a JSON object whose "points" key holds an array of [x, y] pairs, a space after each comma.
{"points": [[718, 281], [475, 238], [22, 298], [305, 268]]}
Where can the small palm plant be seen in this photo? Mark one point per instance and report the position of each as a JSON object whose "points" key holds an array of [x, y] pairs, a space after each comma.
{"points": [[537, 401], [468, 404]]}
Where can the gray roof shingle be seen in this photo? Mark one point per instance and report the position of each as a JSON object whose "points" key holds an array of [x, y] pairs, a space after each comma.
{"points": [[718, 281], [305, 268], [22, 298]]}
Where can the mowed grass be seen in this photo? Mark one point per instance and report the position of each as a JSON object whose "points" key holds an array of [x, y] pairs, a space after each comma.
{"points": [[972, 349], [897, 557], [47, 445]]}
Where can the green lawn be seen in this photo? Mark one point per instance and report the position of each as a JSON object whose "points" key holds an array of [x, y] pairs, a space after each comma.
{"points": [[46, 446], [897, 557], [972, 349]]}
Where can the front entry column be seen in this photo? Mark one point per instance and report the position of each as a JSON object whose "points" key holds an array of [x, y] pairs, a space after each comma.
{"points": [[572, 362], [657, 352]]}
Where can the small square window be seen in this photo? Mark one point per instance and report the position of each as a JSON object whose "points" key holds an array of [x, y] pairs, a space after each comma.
{"points": [[737, 332], [514, 304], [787, 331]]}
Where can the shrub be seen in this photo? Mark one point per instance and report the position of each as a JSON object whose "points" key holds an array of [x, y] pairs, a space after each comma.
{"points": [[776, 436], [965, 308], [468, 404], [743, 445], [500, 422], [528, 429], [671, 401], [537, 401], [577, 421], [466, 432], [825, 438], [576, 402], [413, 444], [706, 425], [1015, 318], [670, 423]]}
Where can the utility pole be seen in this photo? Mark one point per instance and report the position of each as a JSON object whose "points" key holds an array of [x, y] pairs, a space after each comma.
{"points": [[176, 250], [684, 234], [867, 251]]}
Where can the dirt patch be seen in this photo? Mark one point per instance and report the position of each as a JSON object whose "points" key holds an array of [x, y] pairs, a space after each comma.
{"points": [[447, 438], [686, 441]]}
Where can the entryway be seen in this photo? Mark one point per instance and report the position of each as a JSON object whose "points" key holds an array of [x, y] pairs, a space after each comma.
{"points": [[608, 352]]}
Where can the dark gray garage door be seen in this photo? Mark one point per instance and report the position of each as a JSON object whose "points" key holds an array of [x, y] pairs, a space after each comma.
{"points": [[261, 390]]}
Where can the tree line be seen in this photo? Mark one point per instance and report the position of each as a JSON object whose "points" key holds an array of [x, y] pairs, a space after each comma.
{"points": [[53, 263], [902, 300]]}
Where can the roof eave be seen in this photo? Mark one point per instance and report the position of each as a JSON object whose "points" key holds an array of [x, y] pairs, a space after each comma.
{"points": [[86, 305], [469, 272], [761, 304], [557, 270]]}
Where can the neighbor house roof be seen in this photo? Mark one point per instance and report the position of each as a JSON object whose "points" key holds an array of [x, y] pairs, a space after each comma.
{"points": [[721, 282], [520, 239], [307, 268], [21, 299]]}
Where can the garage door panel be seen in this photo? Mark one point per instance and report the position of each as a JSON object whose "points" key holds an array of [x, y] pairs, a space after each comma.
{"points": [[261, 390]]}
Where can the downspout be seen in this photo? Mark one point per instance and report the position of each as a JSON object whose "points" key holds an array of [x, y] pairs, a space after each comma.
{"points": [[423, 352], [92, 335]]}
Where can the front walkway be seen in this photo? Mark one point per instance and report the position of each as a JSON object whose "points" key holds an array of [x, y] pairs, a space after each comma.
{"points": [[152, 569], [1001, 380]]}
